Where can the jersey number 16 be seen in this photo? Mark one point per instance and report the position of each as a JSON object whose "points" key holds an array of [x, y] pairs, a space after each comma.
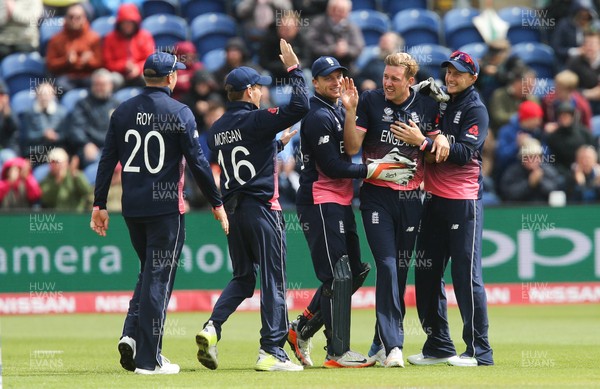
{"points": [[236, 165]]}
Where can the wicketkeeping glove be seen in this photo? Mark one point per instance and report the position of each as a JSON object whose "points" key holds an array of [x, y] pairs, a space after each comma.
{"points": [[393, 167], [430, 88]]}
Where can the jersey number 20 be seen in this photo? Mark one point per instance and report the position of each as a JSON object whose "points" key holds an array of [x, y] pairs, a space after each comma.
{"points": [[236, 165], [136, 147]]}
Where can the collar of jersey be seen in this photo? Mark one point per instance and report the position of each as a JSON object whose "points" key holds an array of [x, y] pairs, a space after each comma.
{"points": [[165, 89], [324, 101], [241, 105], [406, 103], [462, 95]]}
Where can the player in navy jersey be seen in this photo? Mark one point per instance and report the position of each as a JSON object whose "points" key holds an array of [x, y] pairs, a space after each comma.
{"points": [[243, 140], [152, 136], [325, 212], [452, 223], [391, 212]]}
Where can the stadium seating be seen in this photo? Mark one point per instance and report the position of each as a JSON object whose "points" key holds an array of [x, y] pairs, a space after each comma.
{"points": [[214, 59], [459, 28], [417, 26], [103, 25], [190, 9], [212, 31], [523, 24], [538, 56], [166, 29], [22, 101], [70, 99], [126, 93], [364, 4], [48, 28], [392, 7], [157, 7], [22, 71], [430, 57], [476, 50], [596, 125], [366, 55], [373, 24]]}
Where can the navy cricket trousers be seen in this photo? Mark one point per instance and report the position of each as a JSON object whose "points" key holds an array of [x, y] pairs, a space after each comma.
{"points": [[452, 229], [158, 241], [391, 219], [257, 242]]}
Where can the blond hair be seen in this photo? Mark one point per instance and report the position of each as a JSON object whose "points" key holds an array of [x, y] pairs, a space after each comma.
{"points": [[403, 59], [567, 79]]}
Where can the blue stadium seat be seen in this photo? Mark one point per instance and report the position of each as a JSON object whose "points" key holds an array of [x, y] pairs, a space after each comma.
{"points": [[366, 55], [596, 125], [523, 24], [103, 25], [392, 7], [373, 24], [127, 93], [70, 99], [157, 7], [212, 31], [476, 50], [190, 9], [166, 30], [48, 28], [22, 101], [417, 26], [214, 59], [459, 28], [537, 56], [22, 71], [364, 4], [430, 57]]}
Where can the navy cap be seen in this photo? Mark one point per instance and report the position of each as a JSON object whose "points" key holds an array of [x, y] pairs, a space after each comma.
{"points": [[463, 62], [324, 66], [163, 63], [244, 77]]}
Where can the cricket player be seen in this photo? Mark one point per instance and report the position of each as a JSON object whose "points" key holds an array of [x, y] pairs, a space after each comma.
{"points": [[152, 136], [391, 212], [452, 223], [324, 209], [243, 140]]}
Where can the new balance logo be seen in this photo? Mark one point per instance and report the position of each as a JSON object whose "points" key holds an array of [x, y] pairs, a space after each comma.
{"points": [[375, 218], [324, 139], [410, 229], [342, 230], [454, 227]]}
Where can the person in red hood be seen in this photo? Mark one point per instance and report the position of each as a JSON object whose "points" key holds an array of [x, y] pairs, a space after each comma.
{"points": [[75, 52], [18, 187], [126, 48], [186, 53]]}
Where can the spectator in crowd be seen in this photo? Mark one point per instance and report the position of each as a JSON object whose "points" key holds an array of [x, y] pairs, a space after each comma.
{"points": [[9, 127], [564, 139], [505, 101], [369, 77], [285, 27], [44, 124], [587, 67], [584, 182], [19, 26], [186, 53], [203, 93], [18, 188], [89, 120], [532, 179], [75, 52], [568, 37], [126, 48], [55, 8], [565, 91], [333, 34], [257, 15], [492, 66], [308, 8], [113, 200], [512, 136], [65, 188], [236, 55]]}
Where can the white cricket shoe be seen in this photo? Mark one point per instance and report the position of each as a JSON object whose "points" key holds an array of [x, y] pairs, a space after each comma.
{"points": [[376, 354], [420, 359], [268, 362], [394, 358], [127, 350], [462, 361], [206, 340], [166, 368], [348, 359], [300, 347]]}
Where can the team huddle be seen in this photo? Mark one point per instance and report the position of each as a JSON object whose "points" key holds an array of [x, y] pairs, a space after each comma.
{"points": [[421, 193]]}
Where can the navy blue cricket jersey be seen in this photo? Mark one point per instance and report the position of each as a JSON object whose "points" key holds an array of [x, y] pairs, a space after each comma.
{"points": [[375, 114], [238, 141], [152, 136], [327, 171]]}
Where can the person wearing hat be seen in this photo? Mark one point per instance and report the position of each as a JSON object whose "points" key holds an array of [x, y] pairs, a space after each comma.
{"points": [[324, 204], [452, 227], [153, 136], [391, 211], [533, 178], [243, 141]]}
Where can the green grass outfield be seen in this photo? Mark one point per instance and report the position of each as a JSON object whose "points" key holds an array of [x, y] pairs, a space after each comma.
{"points": [[534, 347]]}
